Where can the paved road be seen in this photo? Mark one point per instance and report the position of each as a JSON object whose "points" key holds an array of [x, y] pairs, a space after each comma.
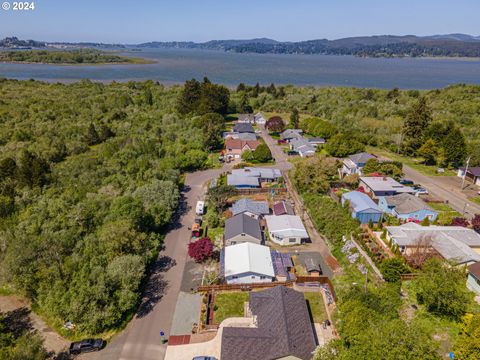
{"points": [[456, 199], [141, 339]]}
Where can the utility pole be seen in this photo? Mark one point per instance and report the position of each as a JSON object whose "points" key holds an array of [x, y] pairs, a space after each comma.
{"points": [[465, 174]]}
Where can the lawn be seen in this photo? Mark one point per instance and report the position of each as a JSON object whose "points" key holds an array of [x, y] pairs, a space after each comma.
{"points": [[414, 163], [445, 213], [317, 308], [229, 304], [475, 199]]}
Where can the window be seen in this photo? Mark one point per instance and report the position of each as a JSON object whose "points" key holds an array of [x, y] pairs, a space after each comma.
{"points": [[292, 240], [253, 276], [233, 242], [242, 234], [264, 277]]}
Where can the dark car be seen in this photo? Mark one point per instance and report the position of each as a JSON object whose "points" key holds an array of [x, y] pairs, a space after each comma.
{"points": [[406, 182], [87, 345], [204, 358]]}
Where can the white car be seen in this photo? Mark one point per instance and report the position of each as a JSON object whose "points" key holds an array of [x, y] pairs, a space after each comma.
{"points": [[200, 209]]}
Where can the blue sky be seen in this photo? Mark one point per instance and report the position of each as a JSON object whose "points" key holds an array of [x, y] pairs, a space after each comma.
{"points": [[133, 21]]}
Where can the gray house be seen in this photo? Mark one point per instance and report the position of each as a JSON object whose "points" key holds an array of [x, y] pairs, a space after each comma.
{"points": [[242, 228], [251, 208]]}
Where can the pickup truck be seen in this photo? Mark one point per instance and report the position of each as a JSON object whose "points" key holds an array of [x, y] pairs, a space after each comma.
{"points": [[84, 346]]}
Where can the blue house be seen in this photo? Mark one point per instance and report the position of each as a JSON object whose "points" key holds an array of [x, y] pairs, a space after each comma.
{"points": [[362, 207], [407, 207], [473, 280]]}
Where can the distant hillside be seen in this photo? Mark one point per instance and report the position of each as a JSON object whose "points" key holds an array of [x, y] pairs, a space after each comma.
{"points": [[452, 45], [13, 43]]}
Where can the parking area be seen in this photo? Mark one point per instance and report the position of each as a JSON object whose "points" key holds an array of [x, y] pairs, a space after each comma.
{"points": [[192, 276], [187, 313]]}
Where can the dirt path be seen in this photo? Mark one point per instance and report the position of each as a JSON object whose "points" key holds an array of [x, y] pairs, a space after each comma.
{"points": [[53, 341]]}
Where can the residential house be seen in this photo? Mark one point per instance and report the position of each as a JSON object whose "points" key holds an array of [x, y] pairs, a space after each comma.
{"points": [[407, 207], [242, 228], [235, 147], [282, 328], [243, 128], [282, 208], [247, 263], [246, 118], [245, 136], [454, 243], [355, 163], [262, 174], [471, 175], [362, 207], [316, 141], [242, 181], [291, 134], [286, 229], [378, 186], [282, 265], [251, 208], [302, 147], [473, 279], [259, 119]]}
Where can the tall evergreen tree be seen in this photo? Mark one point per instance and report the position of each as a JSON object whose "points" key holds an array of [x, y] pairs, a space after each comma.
{"points": [[295, 119], [92, 135], [416, 123]]}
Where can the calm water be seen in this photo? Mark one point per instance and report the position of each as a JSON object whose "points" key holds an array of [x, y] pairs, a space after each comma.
{"points": [[178, 65]]}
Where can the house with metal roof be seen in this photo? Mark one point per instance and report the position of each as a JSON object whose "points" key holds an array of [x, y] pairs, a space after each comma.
{"points": [[355, 163], [243, 128], [242, 228], [315, 141], [283, 208], [454, 243], [247, 263], [282, 328], [473, 279], [362, 207], [262, 174], [251, 208], [407, 207], [378, 186], [286, 229], [242, 181], [472, 174], [290, 134], [302, 147]]}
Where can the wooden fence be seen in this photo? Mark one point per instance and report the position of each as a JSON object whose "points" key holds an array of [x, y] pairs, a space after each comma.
{"points": [[245, 287], [320, 279], [406, 277], [276, 191]]}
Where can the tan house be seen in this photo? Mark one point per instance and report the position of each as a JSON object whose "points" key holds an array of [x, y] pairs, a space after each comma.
{"points": [[235, 147]]}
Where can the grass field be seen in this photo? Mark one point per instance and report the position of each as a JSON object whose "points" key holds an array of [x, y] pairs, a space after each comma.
{"points": [[229, 304], [445, 213], [317, 308], [414, 163]]}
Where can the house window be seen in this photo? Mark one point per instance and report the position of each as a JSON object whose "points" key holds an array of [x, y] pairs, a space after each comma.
{"points": [[264, 277], [233, 242], [292, 240], [242, 235], [234, 277], [253, 276]]}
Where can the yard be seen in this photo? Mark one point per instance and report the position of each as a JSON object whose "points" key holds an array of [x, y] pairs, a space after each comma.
{"points": [[414, 163], [229, 304], [445, 213], [317, 308]]}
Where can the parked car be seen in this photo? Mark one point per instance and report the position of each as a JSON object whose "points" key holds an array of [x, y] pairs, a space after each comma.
{"points": [[420, 190], [200, 209], [406, 182], [84, 346], [204, 358], [292, 152]]}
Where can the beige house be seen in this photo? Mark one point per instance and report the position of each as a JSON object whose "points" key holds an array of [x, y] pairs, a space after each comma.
{"points": [[235, 147]]}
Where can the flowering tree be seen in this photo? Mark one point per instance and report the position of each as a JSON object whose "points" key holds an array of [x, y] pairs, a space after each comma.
{"points": [[201, 249], [476, 223], [275, 124], [459, 221]]}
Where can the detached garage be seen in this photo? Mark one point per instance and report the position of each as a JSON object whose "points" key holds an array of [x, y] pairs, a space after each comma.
{"points": [[471, 175]]}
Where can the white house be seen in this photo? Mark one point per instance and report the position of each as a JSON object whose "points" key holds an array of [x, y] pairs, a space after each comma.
{"points": [[286, 229], [247, 263], [472, 174], [259, 119], [355, 163]]}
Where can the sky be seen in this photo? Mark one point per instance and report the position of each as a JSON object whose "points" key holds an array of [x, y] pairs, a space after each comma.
{"points": [[135, 21]]}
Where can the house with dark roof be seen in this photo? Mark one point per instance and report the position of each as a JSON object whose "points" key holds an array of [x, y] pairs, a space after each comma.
{"points": [[282, 328], [315, 141], [246, 118], [302, 146], [362, 207], [242, 228], [243, 128], [291, 134], [473, 279], [251, 208], [472, 174], [282, 208], [407, 207], [355, 163]]}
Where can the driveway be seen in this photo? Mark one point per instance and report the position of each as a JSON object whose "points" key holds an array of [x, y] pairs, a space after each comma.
{"points": [[445, 189], [141, 339]]}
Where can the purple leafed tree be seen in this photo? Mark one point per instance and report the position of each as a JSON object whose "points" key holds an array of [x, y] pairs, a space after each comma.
{"points": [[201, 249], [476, 223], [459, 221]]}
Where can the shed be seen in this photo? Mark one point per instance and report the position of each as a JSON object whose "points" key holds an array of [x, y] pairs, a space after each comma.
{"points": [[362, 207]]}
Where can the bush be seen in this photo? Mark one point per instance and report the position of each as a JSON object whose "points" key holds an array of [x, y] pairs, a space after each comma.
{"points": [[392, 269], [262, 154]]}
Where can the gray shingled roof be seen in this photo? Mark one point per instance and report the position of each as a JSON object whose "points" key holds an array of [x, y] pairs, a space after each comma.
{"points": [[243, 127], [242, 224], [283, 328], [255, 207], [407, 203], [361, 158], [475, 171]]}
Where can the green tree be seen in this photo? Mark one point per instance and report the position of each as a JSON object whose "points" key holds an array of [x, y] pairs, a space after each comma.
{"points": [[190, 96], [315, 174], [342, 145], [262, 154], [295, 119], [392, 269], [467, 346], [429, 152], [454, 148], [32, 171], [148, 97], [92, 136], [441, 288], [8, 167], [416, 123], [218, 196]]}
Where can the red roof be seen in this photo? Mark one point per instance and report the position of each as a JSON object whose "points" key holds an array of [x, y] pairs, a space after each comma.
{"points": [[279, 208], [474, 269], [240, 144]]}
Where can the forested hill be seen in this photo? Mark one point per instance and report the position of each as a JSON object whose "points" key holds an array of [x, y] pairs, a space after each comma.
{"points": [[90, 176], [454, 45]]}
